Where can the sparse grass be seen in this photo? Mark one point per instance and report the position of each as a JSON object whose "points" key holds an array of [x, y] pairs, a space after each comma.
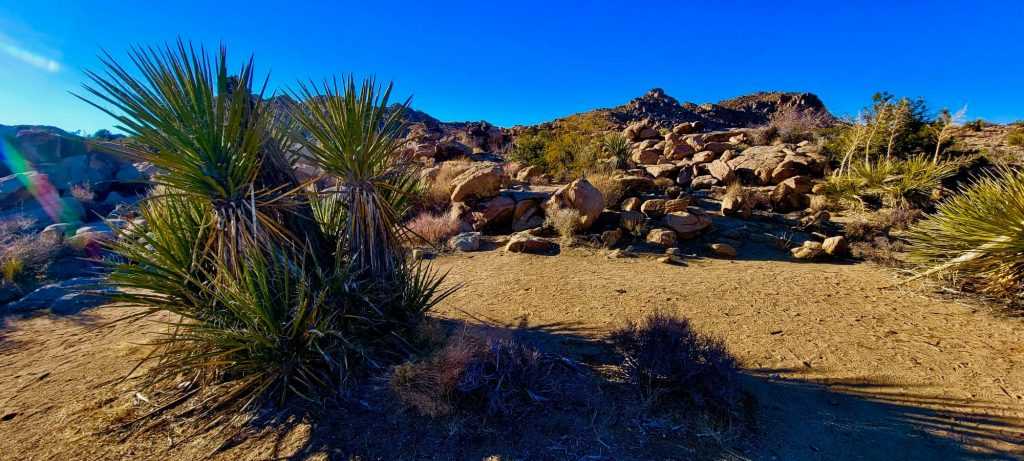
{"points": [[1015, 137], [566, 221], [976, 235], [433, 228], [792, 125], [24, 254], [670, 362], [610, 189], [894, 182]]}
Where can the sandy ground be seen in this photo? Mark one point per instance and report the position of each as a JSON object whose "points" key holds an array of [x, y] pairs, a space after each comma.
{"points": [[843, 364]]}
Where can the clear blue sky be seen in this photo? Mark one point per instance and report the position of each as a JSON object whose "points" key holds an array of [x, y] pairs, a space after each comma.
{"points": [[517, 62]]}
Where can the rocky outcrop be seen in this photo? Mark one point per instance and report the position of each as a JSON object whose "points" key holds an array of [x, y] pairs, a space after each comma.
{"points": [[581, 196]]}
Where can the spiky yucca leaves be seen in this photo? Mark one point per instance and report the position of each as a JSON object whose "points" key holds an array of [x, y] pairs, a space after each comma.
{"points": [[206, 131], [897, 182], [977, 234], [355, 137]]}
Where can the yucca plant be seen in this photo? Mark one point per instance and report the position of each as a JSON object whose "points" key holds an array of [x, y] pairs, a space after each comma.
{"points": [[205, 130], [354, 136], [615, 145], [274, 288], [977, 234]]}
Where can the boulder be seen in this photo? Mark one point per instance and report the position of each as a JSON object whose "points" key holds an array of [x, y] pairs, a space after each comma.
{"points": [[523, 242], [717, 147], [764, 158], [581, 196], [662, 170], [704, 157], [466, 241], [685, 177], [611, 238], [482, 180], [835, 246], [653, 208], [723, 250], [789, 167], [661, 236], [495, 212], [686, 224], [703, 182], [65, 297], [809, 250], [631, 204], [530, 174], [733, 205], [640, 131], [647, 156], [791, 194], [676, 204], [633, 184], [721, 171], [634, 222]]}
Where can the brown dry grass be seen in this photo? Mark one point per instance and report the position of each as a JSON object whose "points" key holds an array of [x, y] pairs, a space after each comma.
{"points": [[433, 227]]}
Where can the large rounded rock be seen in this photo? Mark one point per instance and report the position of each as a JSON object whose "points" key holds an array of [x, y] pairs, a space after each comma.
{"points": [[523, 242], [663, 237], [482, 180], [578, 195], [687, 225]]}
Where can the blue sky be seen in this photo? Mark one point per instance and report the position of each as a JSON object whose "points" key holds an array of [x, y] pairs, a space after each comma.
{"points": [[526, 62]]}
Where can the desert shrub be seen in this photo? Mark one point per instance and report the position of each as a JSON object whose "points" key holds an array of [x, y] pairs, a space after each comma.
{"points": [[566, 221], [615, 145], [277, 291], [1015, 137], [868, 226], [793, 125], [889, 127], [976, 125], [477, 373], [668, 361], [610, 188], [437, 191], [749, 199], [880, 250], [892, 181], [433, 227], [528, 148], [976, 235], [25, 254], [569, 154]]}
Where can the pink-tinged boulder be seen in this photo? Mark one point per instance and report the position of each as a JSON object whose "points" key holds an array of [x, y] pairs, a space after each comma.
{"points": [[524, 242], [687, 225], [578, 195]]}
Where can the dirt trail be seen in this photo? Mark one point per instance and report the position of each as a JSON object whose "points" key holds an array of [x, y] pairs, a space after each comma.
{"points": [[843, 365]]}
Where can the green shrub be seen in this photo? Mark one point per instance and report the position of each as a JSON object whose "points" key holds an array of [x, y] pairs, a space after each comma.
{"points": [[894, 182], [976, 235]]}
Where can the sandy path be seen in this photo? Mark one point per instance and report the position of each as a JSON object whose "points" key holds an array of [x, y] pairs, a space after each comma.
{"points": [[904, 373], [844, 367]]}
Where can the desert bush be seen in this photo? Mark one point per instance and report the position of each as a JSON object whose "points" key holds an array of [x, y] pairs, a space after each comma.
{"points": [[1015, 137], [528, 148], [976, 235], [889, 127], [278, 292], [477, 373], [749, 199], [894, 182], [793, 125], [615, 145], [25, 254], [433, 228], [668, 361], [566, 221]]}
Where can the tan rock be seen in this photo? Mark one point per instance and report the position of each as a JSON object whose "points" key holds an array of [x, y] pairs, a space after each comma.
{"points": [[653, 207], [686, 224], [523, 242], [663, 237], [663, 170], [480, 181], [631, 204], [676, 204], [809, 250], [721, 171], [835, 246], [581, 196], [723, 250]]}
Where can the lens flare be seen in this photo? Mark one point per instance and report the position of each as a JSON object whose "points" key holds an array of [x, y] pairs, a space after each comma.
{"points": [[37, 184]]}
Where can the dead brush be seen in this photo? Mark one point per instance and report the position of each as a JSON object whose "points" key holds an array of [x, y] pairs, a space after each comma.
{"points": [[566, 221], [25, 254], [431, 227], [477, 373], [668, 361], [611, 189]]}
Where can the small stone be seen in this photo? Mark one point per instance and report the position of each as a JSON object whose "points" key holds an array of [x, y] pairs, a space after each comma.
{"points": [[663, 237], [723, 250], [835, 246], [466, 241]]}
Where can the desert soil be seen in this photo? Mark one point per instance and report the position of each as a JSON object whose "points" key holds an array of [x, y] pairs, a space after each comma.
{"points": [[843, 363]]}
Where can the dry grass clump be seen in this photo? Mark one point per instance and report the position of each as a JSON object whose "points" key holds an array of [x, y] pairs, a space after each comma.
{"points": [[566, 221], [25, 254], [976, 236], [869, 226], [433, 227], [749, 199], [670, 362], [610, 188], [1015, 137], [437, 191], [478, 373], [880, 250], [83, 193]]}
